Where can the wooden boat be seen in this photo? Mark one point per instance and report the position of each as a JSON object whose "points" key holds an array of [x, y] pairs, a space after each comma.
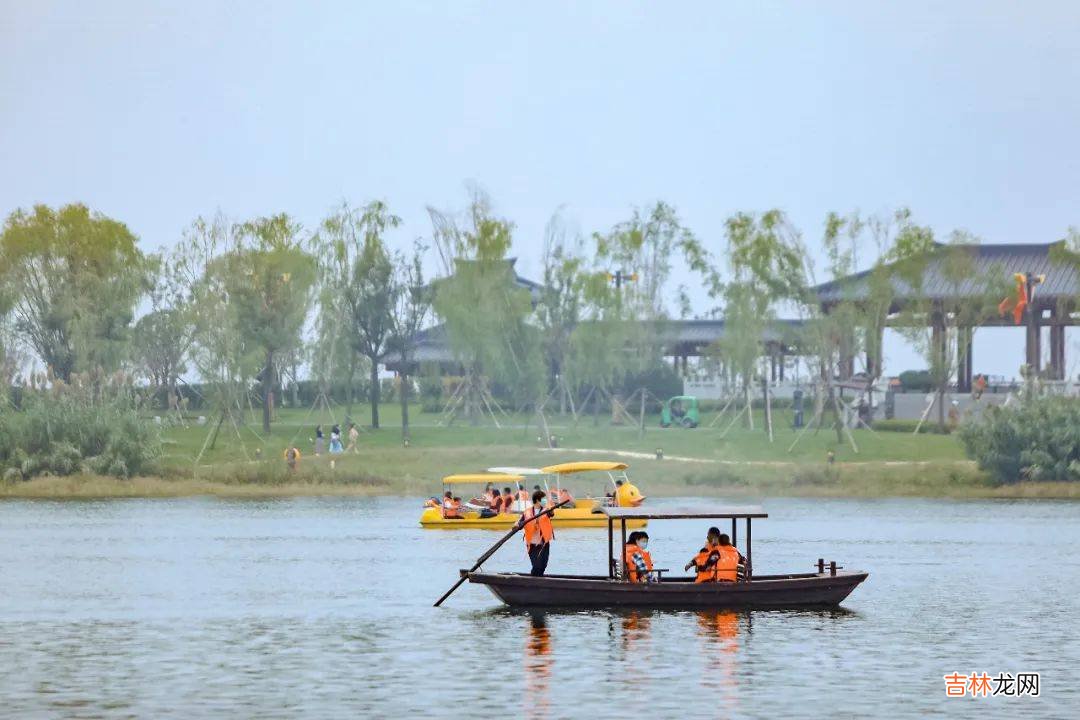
{"points": [[827, 587], [583, 513]]}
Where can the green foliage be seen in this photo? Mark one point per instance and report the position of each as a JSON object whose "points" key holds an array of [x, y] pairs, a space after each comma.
{"points": [[431, 393], [662, 381], [485, 312], [1039, 440], [917, 380], [269, 282], [87, 425], [74, 278]]}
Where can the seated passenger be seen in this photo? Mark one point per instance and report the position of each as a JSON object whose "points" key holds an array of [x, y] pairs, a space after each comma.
{"points": [[431, 502], [638, 560], [718, 561], [451, 506], [563, 496], [507, 501]]}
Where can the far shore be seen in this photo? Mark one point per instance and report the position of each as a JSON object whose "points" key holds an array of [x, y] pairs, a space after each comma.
{"points": [[857, 480]]}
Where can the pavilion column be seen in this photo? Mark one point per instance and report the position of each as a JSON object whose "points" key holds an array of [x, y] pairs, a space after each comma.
{"points": [[781, 364], [1057, 346], [875, 342], [772, 367], [937, 338], [1033, 346], [964, 359]]}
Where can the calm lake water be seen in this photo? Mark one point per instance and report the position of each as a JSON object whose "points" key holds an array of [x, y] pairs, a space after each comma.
{"points": [[322, 608]]}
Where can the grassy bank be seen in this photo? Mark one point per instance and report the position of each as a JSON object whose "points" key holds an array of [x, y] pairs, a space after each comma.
{"points": [[245, 463]]}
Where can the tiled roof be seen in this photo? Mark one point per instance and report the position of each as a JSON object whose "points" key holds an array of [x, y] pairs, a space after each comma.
{"points": [[993, 263]]}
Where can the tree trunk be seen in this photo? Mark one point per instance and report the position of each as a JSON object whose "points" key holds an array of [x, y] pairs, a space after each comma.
{"points": [[349, 387], [295, 385], [404, 402], [837, 420], [942, 388], [268, 389], [375, 393]]}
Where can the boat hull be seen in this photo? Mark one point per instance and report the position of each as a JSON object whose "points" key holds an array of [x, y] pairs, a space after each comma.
{"points": [[772, 591], [575, 517]]}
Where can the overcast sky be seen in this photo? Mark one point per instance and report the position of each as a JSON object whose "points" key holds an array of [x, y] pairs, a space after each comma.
{"points": [[153, 113]]}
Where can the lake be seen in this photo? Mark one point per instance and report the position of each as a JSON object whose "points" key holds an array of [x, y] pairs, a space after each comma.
{"points": [[321, 607]]}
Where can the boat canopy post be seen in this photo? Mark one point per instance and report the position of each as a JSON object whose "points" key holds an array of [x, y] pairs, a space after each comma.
{"points": [[749, 561], [734, 533], [622, 523], [610, 548]]}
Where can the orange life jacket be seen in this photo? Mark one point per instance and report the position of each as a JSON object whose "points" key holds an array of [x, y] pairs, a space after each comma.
{"points": [[717, 563], [631, 567], [539, 531]]}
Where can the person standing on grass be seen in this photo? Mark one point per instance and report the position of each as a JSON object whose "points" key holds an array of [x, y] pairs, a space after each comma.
{"points": [[354, 436], [335, 440], [319, 440]]}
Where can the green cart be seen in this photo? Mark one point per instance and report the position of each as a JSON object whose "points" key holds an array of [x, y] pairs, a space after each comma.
{"points": [[681, 410]]}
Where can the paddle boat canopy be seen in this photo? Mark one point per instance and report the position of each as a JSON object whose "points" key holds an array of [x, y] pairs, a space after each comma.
{"points": [[826, 587], [581, 512]]}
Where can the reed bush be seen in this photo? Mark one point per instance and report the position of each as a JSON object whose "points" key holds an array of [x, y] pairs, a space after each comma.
{"points": [[87, 425], [1038, 440]]}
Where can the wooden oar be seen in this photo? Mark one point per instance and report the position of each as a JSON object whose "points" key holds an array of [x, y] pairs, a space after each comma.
{"points": [[495, 547]]}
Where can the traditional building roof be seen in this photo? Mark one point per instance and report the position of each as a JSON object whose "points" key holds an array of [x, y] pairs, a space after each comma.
{"points": [[991, 263]]}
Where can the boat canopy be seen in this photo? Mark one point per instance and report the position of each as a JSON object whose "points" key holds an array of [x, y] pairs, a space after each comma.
{"points": [[516, 470], [481, 478], [685, 512], [585, 466]]}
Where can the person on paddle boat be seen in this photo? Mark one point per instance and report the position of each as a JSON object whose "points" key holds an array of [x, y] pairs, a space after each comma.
{"points": [[718, 561], [521, 501], [492, 503], [432, 502], [507, 501], [451, 506], [563, 496], [638, 560], [538, 534], [627, 494]]}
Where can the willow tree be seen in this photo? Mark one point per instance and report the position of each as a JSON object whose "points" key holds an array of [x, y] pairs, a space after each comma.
{"points": [[221, 353], [486, 313], [74, 277], [164, 335], [358, 285], [409, 312], [269, 283], [562, 300], [766, 258]]}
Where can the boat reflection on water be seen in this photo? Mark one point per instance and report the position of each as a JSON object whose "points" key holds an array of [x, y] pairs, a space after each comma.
{"points": [[537, 667], [719, 631]]}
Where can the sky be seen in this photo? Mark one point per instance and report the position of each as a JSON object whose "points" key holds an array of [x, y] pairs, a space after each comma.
{"points": [[154, 113]]}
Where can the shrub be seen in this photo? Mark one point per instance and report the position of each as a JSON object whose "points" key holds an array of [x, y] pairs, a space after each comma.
{"points": [[431, 391], [89, 424], [1039, 440], [908, 426], [916, 381]]}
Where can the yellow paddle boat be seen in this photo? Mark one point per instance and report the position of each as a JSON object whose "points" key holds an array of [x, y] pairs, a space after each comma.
{"points": [[581, 512]]}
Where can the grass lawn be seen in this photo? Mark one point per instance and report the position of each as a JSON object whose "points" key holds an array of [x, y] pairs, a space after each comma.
{"points": [[521, 434], [703, 461]]}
